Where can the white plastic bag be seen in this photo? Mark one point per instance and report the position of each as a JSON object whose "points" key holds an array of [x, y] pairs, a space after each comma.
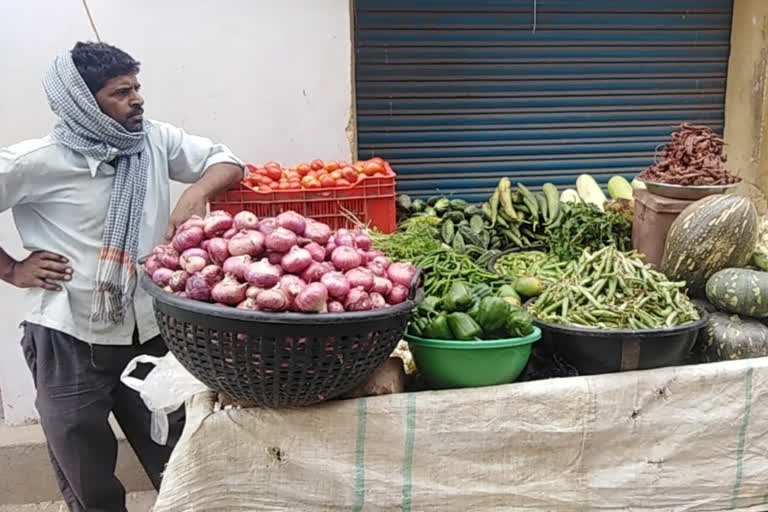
{"points": [[163, 390]]}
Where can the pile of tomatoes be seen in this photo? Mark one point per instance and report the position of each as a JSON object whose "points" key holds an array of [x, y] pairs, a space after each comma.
{"points": [[314, 175]]}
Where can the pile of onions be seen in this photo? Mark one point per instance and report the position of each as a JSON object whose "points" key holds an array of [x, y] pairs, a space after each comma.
{"points": [[283, 263]]}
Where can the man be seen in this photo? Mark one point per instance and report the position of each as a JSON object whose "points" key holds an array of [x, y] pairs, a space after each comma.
{"points": [[88, 201]]}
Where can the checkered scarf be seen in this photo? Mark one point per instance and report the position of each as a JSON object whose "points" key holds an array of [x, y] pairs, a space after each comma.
{"points": [[83, 128]]}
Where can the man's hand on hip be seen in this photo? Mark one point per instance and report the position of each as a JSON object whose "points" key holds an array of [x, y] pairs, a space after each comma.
{"points": [[194, 201], [39, 270]]}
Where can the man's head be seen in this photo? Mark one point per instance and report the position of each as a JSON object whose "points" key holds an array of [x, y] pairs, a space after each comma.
{"points": [[110, 74]]}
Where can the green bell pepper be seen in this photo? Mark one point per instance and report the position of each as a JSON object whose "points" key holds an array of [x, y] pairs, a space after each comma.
{"points": [[458, 298], [417, 326], [518, 323], [480, 291], [492, 314], [438, 329], [428, 306], [463, 327]]}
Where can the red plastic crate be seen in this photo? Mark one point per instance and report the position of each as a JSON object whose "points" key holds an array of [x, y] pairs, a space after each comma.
{"points": [[372, 201]]}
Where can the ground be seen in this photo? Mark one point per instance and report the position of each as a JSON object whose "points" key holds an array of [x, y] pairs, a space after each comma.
{"points": [[137, 502]]}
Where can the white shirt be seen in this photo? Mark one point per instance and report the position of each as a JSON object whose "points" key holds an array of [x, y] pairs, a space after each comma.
{"points": [[60, 200]]}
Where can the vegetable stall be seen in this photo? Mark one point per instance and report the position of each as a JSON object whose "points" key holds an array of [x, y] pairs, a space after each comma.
{"points": [[296, 287]]}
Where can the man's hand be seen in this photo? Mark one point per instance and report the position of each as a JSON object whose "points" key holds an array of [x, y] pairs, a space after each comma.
{"points": [[194, 201], [38, 270]]}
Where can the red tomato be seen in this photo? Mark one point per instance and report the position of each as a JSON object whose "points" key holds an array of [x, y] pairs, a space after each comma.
{"points": [[303, 169], [321, 173], [275, 173], [251, 167], [327, 182], [251, 182], [272, 164], [265, 180], [359, 167], [306, 179], [372, 168], [294, 185], [292, 175], [331, 166], [260, 171], [341, 182], [376, 159], [349, 174], [313, 183], [265, 189], [342, 164], [388, 168], [317, 164], [284, 185], [335, 175]]}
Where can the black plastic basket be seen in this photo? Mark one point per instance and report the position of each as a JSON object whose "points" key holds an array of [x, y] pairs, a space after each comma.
{"points": [[279, 359]]}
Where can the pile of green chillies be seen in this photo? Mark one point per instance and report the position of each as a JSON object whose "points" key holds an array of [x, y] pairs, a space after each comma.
{"points": [[444, 266], [547, 267], [610, 289]]}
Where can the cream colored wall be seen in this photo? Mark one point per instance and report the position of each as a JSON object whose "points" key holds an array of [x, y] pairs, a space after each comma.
{"points": [[746, 106], [270, 79]]}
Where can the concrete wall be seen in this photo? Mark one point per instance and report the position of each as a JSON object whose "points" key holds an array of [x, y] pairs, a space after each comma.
{"points": [[270, 79], [746, 106]]}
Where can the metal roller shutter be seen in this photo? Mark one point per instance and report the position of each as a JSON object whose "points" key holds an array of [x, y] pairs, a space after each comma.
{"points": [[458, 93]]}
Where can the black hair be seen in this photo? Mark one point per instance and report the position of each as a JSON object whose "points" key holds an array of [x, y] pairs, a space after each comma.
{"points": [[99, 62]]}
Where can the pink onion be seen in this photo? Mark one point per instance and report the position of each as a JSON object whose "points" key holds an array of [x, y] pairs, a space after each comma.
{"points": [[274, 258], [357, 300], [296, 260], [360, 278], [381, 260], [344, 239], [236, 265], [314, 272], [194, 260], [198, 287], [159, 250], [248, 304], [316, 250], [230, 233], [253, 291], [377, 301], [263, 274], [377, 269], [170, 259], [401, 273], [188, 238], [280, 240], [217, 223], [345, 258], [183, 295], [151, 264], [218, 250], [382, 285], [373, 253], [194, 221], [273, 300], [302, 241], [229, 291], [329, 248], [363, 256], [213, 273], [162, 276], [335, 306], [267, 225], [178, 280], [363, 241], [292, 221], [248, 242], [337, 285], [168, 289], [245, 220], [317, 232], [398, 294], [312, 299], [204, 244], [292, 285]]}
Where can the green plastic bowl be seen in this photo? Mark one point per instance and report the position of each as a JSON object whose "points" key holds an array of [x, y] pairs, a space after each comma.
{"points": [[470, 364]]}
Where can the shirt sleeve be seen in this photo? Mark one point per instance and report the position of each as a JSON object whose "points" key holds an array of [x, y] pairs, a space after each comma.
{"points": [[189, 156], [14, 188]]}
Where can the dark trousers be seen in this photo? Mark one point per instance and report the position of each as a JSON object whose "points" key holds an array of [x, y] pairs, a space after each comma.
{"points": [[78, 385]]}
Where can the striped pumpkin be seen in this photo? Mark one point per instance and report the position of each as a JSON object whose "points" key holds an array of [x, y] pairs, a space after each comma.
{"points": [[739, 290], [714, 233]]}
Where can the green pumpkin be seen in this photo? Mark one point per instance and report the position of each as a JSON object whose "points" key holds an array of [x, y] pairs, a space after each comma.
{"points": [[728, 337], [739, 290], [714, 233]]}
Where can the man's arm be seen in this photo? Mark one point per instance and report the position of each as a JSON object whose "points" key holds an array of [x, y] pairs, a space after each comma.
{"points": [[36, 271], [216, 179]]}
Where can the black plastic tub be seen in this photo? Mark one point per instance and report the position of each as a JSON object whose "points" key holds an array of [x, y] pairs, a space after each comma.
{"points": [[593, 351]]}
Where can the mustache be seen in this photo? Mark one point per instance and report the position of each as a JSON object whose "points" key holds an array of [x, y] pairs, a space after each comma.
{"points": [[136, 112]]}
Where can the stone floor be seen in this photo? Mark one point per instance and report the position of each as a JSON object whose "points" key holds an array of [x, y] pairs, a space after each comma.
{"points": [[136, 502]]}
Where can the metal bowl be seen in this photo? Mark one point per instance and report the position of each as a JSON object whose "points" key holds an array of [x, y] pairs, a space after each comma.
{"points": [[688, 192]]}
